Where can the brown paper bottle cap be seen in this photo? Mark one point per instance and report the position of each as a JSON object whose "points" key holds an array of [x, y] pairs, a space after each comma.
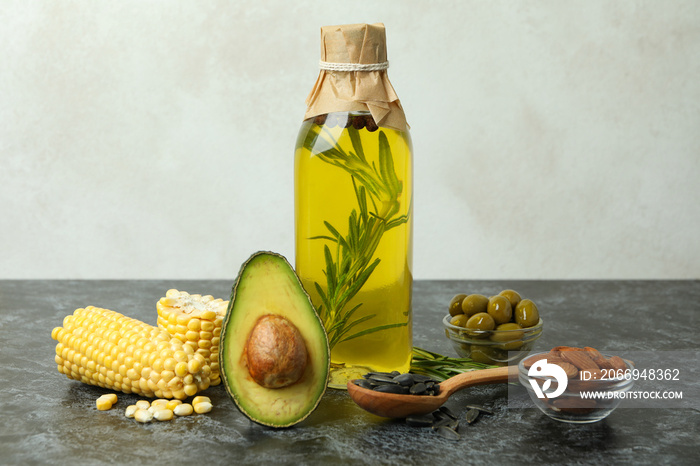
{"points": [[344, 91]]}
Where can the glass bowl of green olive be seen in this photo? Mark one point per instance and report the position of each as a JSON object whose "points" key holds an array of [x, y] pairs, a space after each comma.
{"points": [[498, 330]]}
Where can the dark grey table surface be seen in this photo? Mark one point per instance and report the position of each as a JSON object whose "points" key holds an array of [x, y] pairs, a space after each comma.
{"points": [[47, 418]]}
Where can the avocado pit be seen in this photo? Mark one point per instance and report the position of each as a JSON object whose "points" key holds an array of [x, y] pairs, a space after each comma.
{"points": [[275, 352]]}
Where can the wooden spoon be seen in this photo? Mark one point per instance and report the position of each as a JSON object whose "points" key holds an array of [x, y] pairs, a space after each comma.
{"points": [[399, 406]]}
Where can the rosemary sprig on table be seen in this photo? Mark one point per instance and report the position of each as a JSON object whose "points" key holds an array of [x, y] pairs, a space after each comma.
{"points": [[441, 367], [350, 264]]}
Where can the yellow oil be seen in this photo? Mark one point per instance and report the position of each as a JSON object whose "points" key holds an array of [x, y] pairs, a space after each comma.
{"points": [[325, 192]]}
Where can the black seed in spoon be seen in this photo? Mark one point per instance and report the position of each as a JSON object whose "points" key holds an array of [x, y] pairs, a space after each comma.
{"points": [[363, 383], [418, 389], [392, 388], [383, 378], [405, 379]]}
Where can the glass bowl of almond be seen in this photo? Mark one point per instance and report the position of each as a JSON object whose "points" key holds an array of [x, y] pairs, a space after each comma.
{"points": [[576, 385]]}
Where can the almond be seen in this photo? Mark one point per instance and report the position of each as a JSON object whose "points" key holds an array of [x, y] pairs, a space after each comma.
{"points": [[593, 353], [598, 358], [555, 360], [604, 363], [580, 359], [570, 369], [617, 363]]}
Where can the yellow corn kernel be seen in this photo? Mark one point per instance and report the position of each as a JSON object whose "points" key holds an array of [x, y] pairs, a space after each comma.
{"points": [[167, 376], [160, 402], [207, 326], [205, 353], [175, 383], [143, 404], [163, 414], [205, 344], [130, 411], [169, 364], [112, 397], [190, 389], [203, 407], [143, 415], [162, 385], [194, 365], [103, 404], [181, 369], [194, 324], [185, 409], [199, 399], [152, 386], [172, 404]]}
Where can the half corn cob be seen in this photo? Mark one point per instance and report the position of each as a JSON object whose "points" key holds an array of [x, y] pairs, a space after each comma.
{"points": [[102, 347], [196, 321]]}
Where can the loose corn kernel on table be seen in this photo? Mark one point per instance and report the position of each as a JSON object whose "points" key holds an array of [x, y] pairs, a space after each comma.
{"points": [[49, 419]]}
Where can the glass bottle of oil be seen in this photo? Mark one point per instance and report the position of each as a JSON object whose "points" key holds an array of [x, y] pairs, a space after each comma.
{"points": [[353, 197]]}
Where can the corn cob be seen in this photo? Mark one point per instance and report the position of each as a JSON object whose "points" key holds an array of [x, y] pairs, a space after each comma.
{"points": [[196, 321], [104, 348]]}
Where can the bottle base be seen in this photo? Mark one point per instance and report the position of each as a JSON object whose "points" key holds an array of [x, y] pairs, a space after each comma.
{"points": [[341, 374]]}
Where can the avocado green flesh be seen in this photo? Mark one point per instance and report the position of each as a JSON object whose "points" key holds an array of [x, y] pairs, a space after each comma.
{"points": [[267, 285]]}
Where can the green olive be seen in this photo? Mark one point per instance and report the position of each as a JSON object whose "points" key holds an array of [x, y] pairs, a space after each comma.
{"points": [[512, 296], [511, 345], [488, 355], [507, 332], [481, 321], [456, 304], [526, 313], [459, 320], [474, 304], [482, 354], [500, 309]]}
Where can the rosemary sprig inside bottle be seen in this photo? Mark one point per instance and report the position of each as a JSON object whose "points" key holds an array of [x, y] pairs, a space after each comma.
{"points": [[349, 262], [441, 367]]}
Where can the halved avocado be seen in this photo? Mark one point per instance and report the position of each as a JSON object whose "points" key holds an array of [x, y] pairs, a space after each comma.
{"points": [[273, 353]]}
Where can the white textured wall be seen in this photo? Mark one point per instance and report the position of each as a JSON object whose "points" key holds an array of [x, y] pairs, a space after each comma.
{"points": [[553, 139]]}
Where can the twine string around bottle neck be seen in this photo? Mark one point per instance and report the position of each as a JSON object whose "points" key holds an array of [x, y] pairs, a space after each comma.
{"points": [[331, 66]]}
